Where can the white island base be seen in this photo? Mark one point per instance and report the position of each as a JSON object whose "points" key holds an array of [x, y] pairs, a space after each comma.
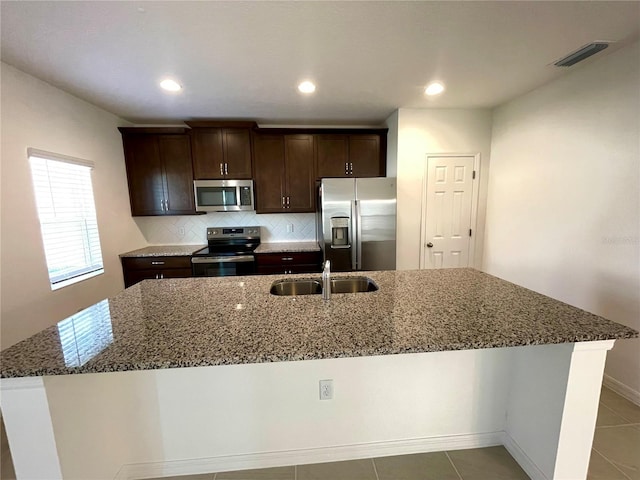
{"points": [[540, 402]]}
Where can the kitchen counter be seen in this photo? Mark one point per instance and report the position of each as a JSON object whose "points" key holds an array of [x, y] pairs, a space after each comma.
{"points": [[235, 320], [164, 251], [418, 366], [287, 247]]}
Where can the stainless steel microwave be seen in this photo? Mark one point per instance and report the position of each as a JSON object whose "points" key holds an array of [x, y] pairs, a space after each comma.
{"points": [[223, 195]]}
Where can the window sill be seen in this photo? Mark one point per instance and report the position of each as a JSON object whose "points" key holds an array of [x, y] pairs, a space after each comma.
{"points": [[71, 281]]}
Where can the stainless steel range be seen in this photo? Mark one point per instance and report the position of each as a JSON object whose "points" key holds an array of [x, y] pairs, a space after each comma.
{"points": [[229, 252]]}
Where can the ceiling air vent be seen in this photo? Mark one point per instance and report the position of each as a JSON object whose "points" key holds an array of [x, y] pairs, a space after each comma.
{"points": [[581, 54]]}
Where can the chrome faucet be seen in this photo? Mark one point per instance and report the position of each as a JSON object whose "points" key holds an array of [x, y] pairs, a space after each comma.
{"points": [[326, 281]]}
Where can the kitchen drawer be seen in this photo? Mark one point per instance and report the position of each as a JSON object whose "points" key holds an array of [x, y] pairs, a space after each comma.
{"points": [[288, 258], [159, 263], [285, 269], [136, 269], [288, 262], [132, 277]]}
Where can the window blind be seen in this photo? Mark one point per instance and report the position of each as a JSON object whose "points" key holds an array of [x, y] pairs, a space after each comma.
{"points": [[66, 209]]}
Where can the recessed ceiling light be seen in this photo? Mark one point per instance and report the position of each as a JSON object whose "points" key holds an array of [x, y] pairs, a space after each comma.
{"points": [[170, 85], [434, 88], [307, 87]]}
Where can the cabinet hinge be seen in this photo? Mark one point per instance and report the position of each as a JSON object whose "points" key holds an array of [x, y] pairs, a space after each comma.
{"points": [[473, 175], [469, 232]]}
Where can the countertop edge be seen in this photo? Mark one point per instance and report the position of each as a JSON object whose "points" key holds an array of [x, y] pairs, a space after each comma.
{"points": [[293, 358], [163, 251], [287, 247]]}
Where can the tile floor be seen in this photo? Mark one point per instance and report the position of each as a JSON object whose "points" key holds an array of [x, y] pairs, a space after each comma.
{"points": [[615, 456]]}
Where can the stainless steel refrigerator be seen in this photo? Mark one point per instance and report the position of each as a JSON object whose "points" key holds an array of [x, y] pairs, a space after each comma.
{"points": [[357, 223]]}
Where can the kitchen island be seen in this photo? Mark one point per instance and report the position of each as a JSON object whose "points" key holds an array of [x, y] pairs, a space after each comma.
{"points": [[209, 374]]}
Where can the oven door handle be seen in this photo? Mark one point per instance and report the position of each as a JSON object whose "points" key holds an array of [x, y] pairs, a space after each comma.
{"points": [[228, 259]]}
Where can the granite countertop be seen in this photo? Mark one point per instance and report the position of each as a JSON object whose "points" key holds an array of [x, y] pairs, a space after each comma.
{"points": [[164, 251], [234, 320], [287, 247]]}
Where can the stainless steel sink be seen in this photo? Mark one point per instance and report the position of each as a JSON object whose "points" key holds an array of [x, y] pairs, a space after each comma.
{"points": [[301, 286], [352, 285], [310, 286]]}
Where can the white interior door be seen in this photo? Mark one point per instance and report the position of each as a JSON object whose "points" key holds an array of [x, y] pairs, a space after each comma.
{"points": [[447, 211]]}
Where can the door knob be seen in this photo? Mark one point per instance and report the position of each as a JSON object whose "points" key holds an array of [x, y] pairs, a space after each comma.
{"points": [[429, 244]]}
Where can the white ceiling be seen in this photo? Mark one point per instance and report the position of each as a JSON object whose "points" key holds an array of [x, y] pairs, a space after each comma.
{"points": [[243, 59]]}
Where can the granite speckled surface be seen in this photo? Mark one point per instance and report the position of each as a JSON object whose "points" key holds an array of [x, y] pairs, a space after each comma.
{"points": [[164, 251], [287, 247], [233, 320]]}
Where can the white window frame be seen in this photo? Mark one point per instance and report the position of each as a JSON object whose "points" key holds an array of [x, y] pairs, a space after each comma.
{"points": [[67, 214]]}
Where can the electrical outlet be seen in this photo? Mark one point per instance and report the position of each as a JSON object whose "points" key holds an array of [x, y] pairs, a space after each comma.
{"points": [[326, 389], [181, 231], [289, 227]]}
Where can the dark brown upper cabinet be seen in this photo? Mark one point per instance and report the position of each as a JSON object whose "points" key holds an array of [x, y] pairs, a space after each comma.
{"points": [[351, 154], [159, 171], [332, 157], [283, 169], [221, 149]]}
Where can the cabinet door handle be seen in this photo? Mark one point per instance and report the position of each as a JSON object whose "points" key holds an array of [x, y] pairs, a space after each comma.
{"points": [[162, 275], [284, 203], [162, 204], [288, 202], [221, 170], [286, 259], [351, 168], [166, 205], [346, 168], [157, 276], [226, 169], [157, 263]]}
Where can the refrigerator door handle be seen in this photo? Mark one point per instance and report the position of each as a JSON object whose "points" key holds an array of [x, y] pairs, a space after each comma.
{"points": [[353, 235], [359, 236], [359, 231]]}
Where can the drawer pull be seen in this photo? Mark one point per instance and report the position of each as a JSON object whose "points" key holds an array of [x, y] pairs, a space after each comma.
{"points": [[286, 259], [157, 263]]}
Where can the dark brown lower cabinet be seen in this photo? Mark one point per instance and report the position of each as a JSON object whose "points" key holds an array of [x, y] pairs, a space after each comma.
{"points": [[289, 262], [136, 269]]}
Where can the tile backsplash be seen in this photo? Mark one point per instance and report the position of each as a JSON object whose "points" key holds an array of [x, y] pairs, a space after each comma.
{"points": [[191, 229]]}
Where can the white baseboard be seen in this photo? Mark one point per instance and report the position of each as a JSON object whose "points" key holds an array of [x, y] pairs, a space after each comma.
{"points": [[622, 389], [306, 456], [523, 460]]}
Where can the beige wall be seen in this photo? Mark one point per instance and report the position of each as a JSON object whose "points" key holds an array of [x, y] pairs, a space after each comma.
{"points": [[423, 131], [392, 144], [36, 114], [564, 196]]}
